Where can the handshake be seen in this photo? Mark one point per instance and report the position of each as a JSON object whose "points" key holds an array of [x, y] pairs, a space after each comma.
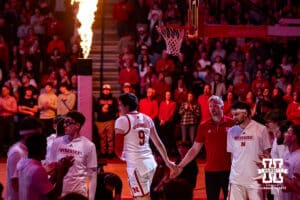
{"points": [[175, 170]]}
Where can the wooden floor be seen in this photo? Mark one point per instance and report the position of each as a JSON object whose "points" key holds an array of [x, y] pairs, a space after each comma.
{"points": [[118, 167]]}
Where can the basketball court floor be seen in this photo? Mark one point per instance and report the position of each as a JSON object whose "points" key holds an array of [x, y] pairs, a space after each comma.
{"points": [[118, 167]]}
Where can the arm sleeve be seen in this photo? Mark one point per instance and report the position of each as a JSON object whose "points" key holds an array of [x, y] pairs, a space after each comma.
{"points": [[42, 183], [229, 142], [122, 124]]}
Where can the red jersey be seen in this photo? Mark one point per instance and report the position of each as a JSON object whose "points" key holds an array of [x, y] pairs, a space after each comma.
{"points": [[214, 137]]}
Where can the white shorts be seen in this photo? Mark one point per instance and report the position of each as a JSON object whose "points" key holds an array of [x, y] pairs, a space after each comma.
{"points": [[240, 192], [140, 185]]}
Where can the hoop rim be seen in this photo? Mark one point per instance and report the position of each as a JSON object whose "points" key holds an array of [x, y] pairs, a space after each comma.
{"points": [[177, 27]]}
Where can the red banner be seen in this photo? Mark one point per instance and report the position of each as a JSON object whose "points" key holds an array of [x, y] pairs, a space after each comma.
{"points": [[244, 31]]}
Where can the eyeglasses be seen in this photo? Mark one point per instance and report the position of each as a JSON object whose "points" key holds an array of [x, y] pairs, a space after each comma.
{"points": [[68, 122]]}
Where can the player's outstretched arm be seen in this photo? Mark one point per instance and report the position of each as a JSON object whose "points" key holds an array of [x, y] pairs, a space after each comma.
{"points": [[189, 156], [161, 148]]}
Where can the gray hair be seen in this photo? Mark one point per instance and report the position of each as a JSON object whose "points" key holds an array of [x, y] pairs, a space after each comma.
{"points": [[217, 99]]}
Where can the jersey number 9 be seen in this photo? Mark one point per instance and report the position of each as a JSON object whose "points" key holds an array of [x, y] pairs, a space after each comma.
{"points": [[141, 137]]}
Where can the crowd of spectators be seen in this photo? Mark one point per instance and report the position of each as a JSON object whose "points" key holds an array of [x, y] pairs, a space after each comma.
{"points": [[39, 50], [263, 72]]}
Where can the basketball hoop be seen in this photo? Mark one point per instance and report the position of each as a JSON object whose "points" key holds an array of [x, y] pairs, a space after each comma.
{"points": [[173, 36]]}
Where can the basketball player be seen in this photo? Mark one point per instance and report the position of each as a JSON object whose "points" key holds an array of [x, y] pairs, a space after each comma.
{"points": [[245, 141], [133, 131]]}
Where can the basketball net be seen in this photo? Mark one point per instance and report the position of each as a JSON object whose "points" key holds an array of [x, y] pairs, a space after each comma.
{"points": [[173, 36]]}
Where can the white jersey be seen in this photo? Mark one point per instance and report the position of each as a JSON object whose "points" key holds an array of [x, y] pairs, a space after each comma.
{"points": [[136, 151], [33, 180], [16, 152], [245, 146], [85, 158]]}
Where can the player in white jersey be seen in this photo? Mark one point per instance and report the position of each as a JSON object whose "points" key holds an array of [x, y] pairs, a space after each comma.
{"points": [[132, 133], [18, 151], [246, 141], [85, 158]]}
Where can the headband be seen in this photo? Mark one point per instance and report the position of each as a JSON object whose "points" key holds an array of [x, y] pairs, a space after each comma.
{"points": [[31, 131]]}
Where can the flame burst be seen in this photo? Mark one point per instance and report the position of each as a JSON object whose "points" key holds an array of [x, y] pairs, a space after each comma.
{"points": [[86, 15]]}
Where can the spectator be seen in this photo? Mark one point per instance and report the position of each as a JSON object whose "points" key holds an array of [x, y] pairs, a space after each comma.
{"points": [[149, 105], [288, 94], [143, 37], [189, 112], [63, 76], [58, 43], [66, 100], [148, 80], [122, 12], [218, 51], [161, 86], [13, 82], [219, 67], [165, 65], [230, 98], [47, 103], [218, 86], [8, 110], [36, 21], [203, 103], [277, 99], [293, 109], [155, 16], [144, 60], [126, 88], [85, 158], [241, 87], [22, 29], [107, 112], [251, 101], [28, 105], [166, 114], [180, 92], [128, 73]]}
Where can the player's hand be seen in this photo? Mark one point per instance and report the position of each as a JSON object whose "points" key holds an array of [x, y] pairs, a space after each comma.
{"points": [[64, 164], [176, 172]]}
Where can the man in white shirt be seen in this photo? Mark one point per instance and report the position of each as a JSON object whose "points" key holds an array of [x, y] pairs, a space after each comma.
{"points": [[245, 141], [85, 158]]}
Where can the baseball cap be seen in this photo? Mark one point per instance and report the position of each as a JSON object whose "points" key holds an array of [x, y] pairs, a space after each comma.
{"points": [[106, 86], [127, 84], [144, 47]]}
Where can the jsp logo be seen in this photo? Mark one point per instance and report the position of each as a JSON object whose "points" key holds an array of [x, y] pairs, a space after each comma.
{"points": [[272, 170]]}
